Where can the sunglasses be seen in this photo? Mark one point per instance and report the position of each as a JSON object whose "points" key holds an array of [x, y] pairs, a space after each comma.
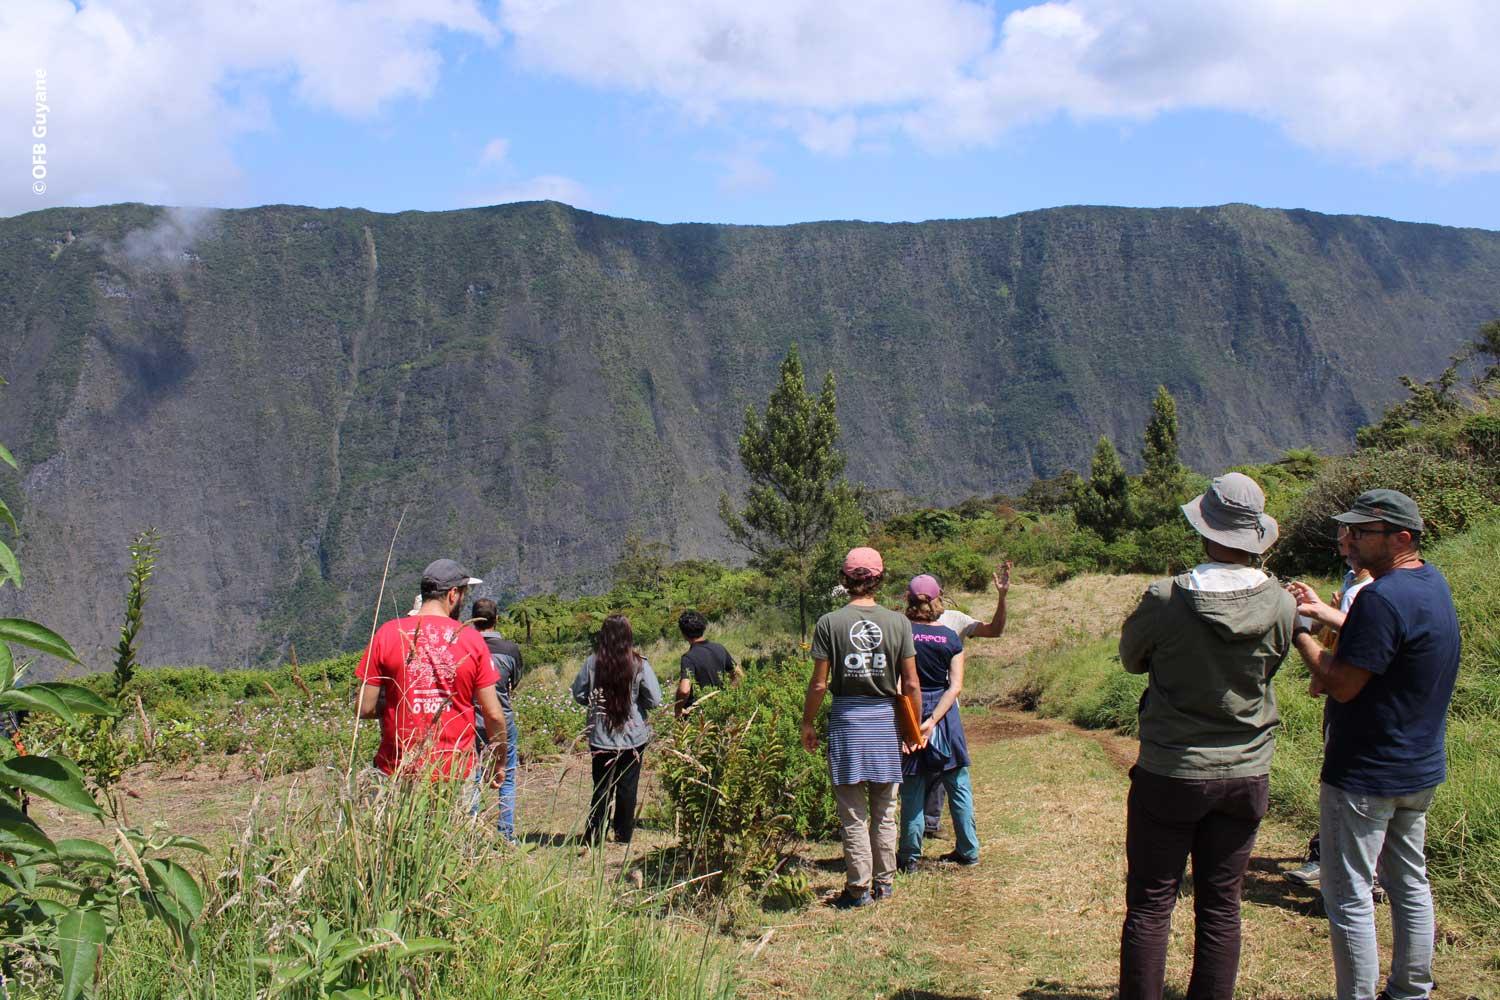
{"points": [[1358, 531]]}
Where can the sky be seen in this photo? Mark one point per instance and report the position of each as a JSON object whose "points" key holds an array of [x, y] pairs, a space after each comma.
{"points": [[764, 112]]}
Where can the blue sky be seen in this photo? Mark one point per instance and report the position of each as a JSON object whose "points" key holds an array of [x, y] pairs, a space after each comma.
{"points": [[791, 111]]}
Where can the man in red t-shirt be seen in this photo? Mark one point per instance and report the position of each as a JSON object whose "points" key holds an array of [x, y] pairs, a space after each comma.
{"points": [[423, 674]]}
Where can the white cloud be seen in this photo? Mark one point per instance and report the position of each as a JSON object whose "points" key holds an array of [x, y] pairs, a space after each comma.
{"points": [[145, 98], [1378, 80], [820, 54], [545, 187], [495, 151]]}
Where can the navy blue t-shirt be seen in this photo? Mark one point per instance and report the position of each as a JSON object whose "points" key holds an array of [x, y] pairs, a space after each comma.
{"points": [[1388, 740], [936, 645]]}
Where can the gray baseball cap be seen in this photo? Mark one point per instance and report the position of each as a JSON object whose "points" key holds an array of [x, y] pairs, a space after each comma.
{"points": [[1232, 512], [1391, 506], [445, 574]]}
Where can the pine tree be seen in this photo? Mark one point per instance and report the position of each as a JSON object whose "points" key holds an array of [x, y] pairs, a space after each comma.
{"points": [[1103, 503], [1164, 473], [1487, 345], [797, 487]]}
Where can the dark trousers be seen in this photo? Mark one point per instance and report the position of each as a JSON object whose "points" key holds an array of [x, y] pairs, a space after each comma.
{"points": [[933, 807], [1169, 820], [617, 775]]}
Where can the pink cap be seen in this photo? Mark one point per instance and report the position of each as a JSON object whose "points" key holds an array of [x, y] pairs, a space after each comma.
{"points": [[924, 586], [863, 561]]}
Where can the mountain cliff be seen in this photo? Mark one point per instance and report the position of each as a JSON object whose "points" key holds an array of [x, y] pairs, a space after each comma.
{"points": [[519, 386]]}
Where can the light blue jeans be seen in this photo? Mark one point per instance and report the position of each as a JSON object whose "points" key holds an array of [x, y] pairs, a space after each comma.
{"points": [[1361, 832], [506, 822], [914, 816]]}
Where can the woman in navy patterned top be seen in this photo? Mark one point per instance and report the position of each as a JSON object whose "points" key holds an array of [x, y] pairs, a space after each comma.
{"points": [[940, 668]]}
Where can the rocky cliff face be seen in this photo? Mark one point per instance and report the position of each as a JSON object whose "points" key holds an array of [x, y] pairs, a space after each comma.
{"points": [[277, 389]]}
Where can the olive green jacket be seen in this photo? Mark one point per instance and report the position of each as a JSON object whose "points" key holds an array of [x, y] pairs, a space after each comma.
{"points": [[1209, 710]]}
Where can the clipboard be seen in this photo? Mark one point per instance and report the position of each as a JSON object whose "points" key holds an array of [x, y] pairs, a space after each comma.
{"points": [[907, 723]]}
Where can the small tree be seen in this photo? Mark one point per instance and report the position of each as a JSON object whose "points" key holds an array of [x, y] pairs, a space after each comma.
{"points": [[1487, 344], [1162, 481], [1103, 503], [1428, 401], [104, 748], [640, 564], [797, 486]]}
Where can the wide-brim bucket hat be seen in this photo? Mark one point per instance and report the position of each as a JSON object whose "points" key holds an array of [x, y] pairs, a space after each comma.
{"points": [[1232, 512]]}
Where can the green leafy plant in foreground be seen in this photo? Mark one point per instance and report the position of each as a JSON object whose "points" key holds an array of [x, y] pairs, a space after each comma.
{"points": [[66, 898]]}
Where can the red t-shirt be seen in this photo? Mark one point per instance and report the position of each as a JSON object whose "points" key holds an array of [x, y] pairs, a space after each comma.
{"points": [[430, 667]]}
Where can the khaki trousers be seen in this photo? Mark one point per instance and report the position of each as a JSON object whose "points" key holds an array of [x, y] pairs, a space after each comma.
{"points": [[867, 814]]}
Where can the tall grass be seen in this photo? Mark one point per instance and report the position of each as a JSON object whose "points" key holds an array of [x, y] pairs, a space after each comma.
{"points": [[390, 868]]}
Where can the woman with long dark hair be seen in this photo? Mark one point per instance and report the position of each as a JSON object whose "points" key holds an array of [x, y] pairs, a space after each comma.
{"points": [[618, 686]]}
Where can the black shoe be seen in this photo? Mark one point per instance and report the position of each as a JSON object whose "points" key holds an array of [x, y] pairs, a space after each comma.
{"points": [[954, 858], [907, 867], [882, 890], [844, 901]]}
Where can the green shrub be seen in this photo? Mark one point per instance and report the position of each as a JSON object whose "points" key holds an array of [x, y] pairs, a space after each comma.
{"points": [[958, 568], [548, 722], [1451, 494], [1084, 684], [740, 783]]}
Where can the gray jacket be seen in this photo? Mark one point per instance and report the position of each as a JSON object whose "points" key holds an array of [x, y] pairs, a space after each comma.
{"points": [[645, 694], [1209, 710]]}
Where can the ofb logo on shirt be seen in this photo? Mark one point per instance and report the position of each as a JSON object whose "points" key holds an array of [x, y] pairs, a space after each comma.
{"points": [[865, 637]]}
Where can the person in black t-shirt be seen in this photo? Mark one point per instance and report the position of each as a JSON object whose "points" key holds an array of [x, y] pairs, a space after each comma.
{"points": [[706, 664]]}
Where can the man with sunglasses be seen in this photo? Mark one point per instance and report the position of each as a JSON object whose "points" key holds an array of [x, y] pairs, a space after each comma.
{"points": [[1389, 684]]}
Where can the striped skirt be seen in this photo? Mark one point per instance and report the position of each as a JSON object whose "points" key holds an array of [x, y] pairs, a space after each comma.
{"points": [[863, 743]]}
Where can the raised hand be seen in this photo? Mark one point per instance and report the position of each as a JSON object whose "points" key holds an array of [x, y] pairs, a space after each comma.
{"points": [[1001, 576]]}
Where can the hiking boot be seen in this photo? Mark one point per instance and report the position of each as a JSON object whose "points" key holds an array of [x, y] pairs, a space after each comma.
{"points": [[954, 858], [1377, 892], [907, 867], [845, 901], [1308, 873], [882, 890]]}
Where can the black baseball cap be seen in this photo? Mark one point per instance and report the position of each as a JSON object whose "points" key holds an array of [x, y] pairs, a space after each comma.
{"points": [[1391, 506], [445, 574]]}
